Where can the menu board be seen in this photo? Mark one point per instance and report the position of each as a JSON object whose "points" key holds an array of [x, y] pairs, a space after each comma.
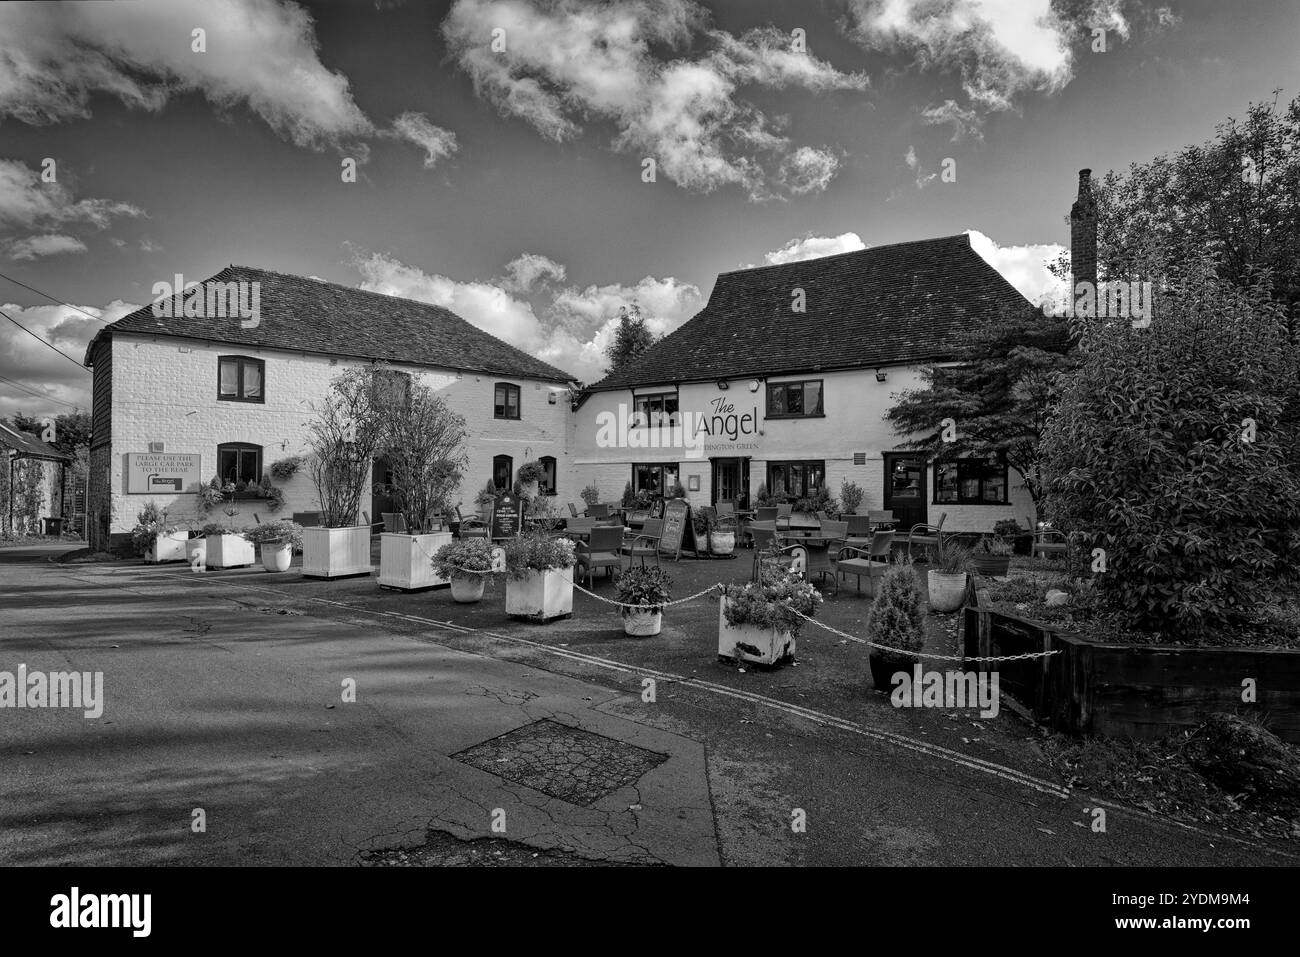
{"points": [[678, 532], [507, 516]]}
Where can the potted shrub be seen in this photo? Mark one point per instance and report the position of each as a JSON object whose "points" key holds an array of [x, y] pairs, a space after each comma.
{"points": [[342, 438], [992, 558], [629, 497], [154, 540], [1009, 530], [467, 563], [807, 508], [485, 500], [529, 477], [226, 548], [758, 622], [423, 442], [947, 576], [851, 496], [539, 580], [896, 620], [646, 588], [591, 496], [277, 541]]}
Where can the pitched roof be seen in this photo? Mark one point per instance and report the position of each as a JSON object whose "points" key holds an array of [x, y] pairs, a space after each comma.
{"points": [[872, 307], [310, 315], [27, 444]]}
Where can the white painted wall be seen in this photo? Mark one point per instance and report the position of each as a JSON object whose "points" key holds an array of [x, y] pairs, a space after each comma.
{"points": [[165, 390]]}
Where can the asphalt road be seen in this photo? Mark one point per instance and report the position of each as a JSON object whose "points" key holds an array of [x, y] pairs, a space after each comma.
{"points": [[225, 694]]}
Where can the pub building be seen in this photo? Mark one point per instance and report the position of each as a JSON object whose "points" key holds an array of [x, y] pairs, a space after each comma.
{"points": [[784, 379]]}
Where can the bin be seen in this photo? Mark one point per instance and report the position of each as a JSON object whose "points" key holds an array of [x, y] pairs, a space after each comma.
{"points": [[52, 526]]}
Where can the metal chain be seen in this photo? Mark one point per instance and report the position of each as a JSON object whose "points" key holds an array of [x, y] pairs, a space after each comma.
{"points": [[666, 604], [922, 654]]}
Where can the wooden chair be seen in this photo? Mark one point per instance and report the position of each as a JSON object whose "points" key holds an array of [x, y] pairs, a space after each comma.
{"points": [[474, 528], [645, 544], [601, 550], [767, 550], [1050, 541], [925, 535], [870, 561]]}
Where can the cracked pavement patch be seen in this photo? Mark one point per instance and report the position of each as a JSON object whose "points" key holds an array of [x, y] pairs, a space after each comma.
{"points": [[571, 764], [446, 850]]}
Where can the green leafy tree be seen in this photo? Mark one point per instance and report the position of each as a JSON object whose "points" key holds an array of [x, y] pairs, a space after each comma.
{"points": [[631, 339]]}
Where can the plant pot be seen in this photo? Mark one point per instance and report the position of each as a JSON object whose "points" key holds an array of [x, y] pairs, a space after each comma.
{"points": [[642, 624], [406, 561], [468, 590], [167, 547], [947, 591], [884, 665], [764, 646], [229, 551], [277, 556], [335, 552], [542, 596], [722, 543], [992, 566]]}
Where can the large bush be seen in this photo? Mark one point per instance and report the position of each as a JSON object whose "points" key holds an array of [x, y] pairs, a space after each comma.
{"points": [[1168, 450]]}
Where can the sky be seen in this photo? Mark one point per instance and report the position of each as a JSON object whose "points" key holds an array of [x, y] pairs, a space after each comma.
{"points": [[502, 148]]}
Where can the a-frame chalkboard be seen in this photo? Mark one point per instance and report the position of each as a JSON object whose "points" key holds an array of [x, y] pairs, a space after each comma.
{"points": [[679, 531]]}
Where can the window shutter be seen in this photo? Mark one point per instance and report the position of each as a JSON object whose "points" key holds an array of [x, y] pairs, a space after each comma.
{"points": [[859, 458]]}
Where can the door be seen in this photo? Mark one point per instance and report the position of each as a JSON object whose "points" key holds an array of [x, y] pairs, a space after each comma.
{"points": [[905, 489], [380, 500], [731, 481]]}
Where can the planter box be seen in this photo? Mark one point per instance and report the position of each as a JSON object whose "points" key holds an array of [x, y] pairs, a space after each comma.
{"points": [[229, 551], [762, 646], [167, 548], [542, 596], [405, 561], [336, 552]]}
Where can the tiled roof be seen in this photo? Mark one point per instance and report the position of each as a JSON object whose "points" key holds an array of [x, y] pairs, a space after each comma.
{"points": [[27, 444], [880, 306], [309, 315]]}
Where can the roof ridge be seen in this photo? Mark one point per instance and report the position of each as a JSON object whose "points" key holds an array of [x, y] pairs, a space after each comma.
{"points": [[850, 252]]}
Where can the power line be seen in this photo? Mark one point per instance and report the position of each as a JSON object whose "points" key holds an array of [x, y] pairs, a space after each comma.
{"points": [[18, 282], [42, 341], [39, 395]]}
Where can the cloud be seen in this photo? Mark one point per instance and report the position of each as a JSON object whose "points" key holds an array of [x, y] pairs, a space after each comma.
{"points": [[51, 244], [814, 247], [38, 369], [28, 203], [965, 123], [923, 175], [567, 326], [572, 62], [436, 142], [1025, 267]]}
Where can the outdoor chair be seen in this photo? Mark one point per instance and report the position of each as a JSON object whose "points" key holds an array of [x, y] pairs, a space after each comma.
{"points": [[823, 516], [573, 510], [473, 528], [645, 544], [767, 551], [307, 519], [926, 535], [783, 513], [877, 517], [580, 526], [726, 508], [599, 510], [860, 526], [394, 521], [870, 561], [1050, 541], [601, 550], [835, 531]]}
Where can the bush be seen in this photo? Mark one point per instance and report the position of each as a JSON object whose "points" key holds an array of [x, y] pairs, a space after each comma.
{"points": [[285, 469], [282, 531], [150, 522], [210, 496], [1169, 451], [591, 495], [1008, 528], [216, 528], [629, 497], [819, 501], [647, 586], [761, 498], [487, 495], [771, 605], [896, 619], [463, 558], [951, 558], [851, 496], [530, 472], [531, 553]]}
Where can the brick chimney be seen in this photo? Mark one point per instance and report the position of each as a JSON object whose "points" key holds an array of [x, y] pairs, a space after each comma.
{"points": [[1083, 232]]}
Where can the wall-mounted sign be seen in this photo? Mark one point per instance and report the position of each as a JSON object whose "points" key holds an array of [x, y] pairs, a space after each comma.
{"points": [[161, 473]]}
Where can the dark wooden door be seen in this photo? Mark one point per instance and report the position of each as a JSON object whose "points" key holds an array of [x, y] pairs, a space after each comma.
{"points": [[905, 489], [731, 481]]}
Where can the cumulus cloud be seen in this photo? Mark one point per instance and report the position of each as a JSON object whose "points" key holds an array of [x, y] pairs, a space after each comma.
{"points": [[567, 326], [50, 244], [570, 62], [814, 247], [27, 203], [436, 142], [923, 175], [1025, 267]]}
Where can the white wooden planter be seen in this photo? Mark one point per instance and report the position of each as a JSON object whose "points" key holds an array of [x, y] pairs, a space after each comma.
{"points": [[764, 646], [229, 551], [542, 596], [405, 561], [276, 557], [167, 548], [336, 552]]}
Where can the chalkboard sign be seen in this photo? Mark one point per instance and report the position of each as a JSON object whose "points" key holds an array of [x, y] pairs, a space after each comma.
{"points": [[507, 514], [678, 531]]}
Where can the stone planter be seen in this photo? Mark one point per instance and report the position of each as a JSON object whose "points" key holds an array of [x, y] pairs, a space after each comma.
{"points": [[406, 561], [763, 646], [947, 591], [277, 556], [642, 624], [992, 566], [336, 552], [167, 547], [542, 596], [722, 543], [468, 590], [229, 551]]}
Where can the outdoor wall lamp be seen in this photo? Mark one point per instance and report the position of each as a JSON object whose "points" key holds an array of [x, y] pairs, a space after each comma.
{"points": [[880, 375], [722, 384]]}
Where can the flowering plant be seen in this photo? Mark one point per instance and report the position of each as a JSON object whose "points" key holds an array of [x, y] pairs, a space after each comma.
{"points": [[464, 558], [774, 604], [531, 553]]}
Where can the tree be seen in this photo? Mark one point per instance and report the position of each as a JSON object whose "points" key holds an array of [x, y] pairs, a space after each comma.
{"points": [[1168, 451], [423, 441], [341, 440], [631, 339], [997, 396], [71, 429]]}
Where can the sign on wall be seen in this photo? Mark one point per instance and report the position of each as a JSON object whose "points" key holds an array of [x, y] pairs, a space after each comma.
{"points": [[149, 473]]}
